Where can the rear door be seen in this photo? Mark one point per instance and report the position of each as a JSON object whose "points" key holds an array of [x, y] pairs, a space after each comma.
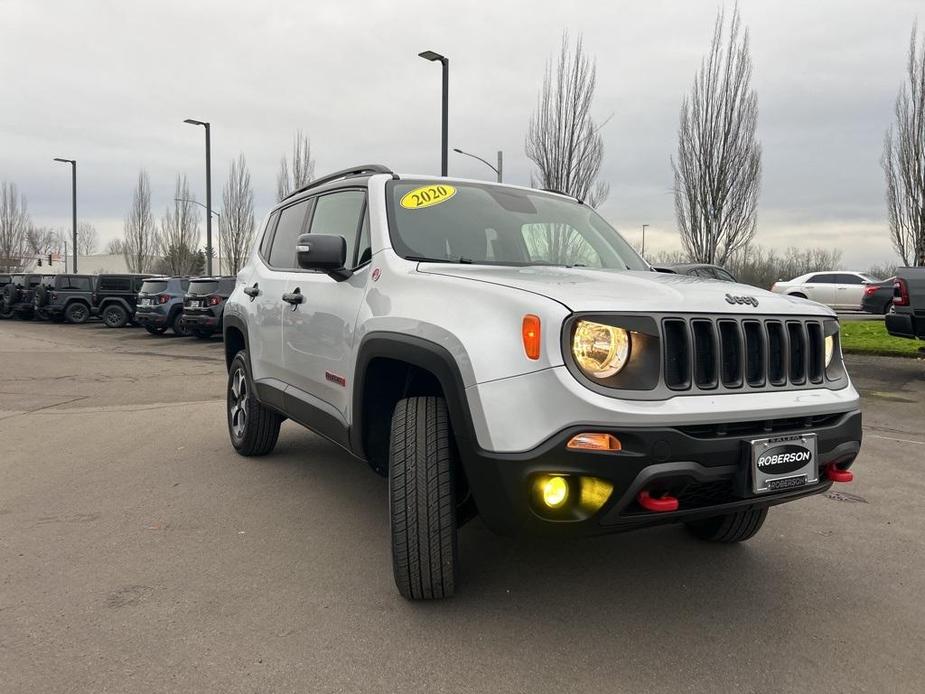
{"points": [[849, 291], [820, 287]]}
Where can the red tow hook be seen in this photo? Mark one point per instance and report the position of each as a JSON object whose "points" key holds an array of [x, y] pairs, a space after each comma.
{"points": [[836, 475], [660, 505]]}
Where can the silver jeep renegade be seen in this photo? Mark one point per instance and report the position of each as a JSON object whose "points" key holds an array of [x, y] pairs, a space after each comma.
{"points": [[503, 352]]}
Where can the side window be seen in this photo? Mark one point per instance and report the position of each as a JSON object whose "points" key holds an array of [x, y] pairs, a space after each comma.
{"points": [[290, 225], [115, 284], [849, 279], [184, 285], [268, 236], [821, 279], [338, 214], [80, 284], [364, 246]]}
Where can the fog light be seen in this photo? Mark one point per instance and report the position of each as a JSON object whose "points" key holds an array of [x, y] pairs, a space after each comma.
{"points": [[555, 491]]}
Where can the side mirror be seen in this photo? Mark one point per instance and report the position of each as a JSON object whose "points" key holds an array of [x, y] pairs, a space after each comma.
{"points": [[326, 253]]}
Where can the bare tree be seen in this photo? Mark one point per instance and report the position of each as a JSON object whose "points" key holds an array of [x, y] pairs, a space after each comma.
{"points": [[115, 247], [563, 140], [236, 227], [301, 171], [179, 239], [87, 239], [140, 242], [15, 223], [904, 162], [40, 241], [717, 175]]}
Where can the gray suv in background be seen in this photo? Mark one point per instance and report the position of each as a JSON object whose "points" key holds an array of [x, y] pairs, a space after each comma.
{"points": [[65, 297], [204, 304], [160, 305]]}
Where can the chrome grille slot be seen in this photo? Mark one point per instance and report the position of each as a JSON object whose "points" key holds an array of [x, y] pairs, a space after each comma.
{"points": [[816, 361], [777, 355], [705, 354], [732, 350], [677, 354]]}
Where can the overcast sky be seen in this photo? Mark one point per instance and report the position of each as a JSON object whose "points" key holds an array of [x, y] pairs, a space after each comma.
{"points": [[109, 84]]}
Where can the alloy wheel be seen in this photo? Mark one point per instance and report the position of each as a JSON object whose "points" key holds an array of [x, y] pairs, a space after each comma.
{"points": [[237, 403]]}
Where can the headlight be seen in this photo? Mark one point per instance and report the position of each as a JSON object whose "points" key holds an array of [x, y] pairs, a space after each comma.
{"points": [[600, 350], [829, 349]]}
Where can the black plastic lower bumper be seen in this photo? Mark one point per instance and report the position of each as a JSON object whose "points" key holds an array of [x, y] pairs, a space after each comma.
{"points": [[200, 321], [705, 467], [905, 325], [150, 318]]}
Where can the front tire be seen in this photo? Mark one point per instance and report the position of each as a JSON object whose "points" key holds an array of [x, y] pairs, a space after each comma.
{"points": [[155, 329], [114, 316], [731, 527], [253, 428], [422, 504]]}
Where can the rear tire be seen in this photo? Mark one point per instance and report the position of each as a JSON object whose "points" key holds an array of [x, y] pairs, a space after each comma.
{"points": [[77, 313], [731, 527], [114, 316], [253, 428], [202, 333], [155, 330], [179, 329], [422, 505]]}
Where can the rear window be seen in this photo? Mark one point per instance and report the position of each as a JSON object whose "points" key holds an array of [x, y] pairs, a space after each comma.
{"points": [[35, 280], [202, 287], [80, 284], [153, 286], [114, 284]]}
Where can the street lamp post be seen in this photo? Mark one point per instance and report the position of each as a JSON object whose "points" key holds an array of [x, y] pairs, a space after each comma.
{"points": [[497, 169], [218, 253], [445, 62], [73, 163], [192, 121], [644, 239]]}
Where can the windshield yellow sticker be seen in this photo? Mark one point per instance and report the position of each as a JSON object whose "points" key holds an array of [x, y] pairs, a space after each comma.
{"points": [[427, 196]]}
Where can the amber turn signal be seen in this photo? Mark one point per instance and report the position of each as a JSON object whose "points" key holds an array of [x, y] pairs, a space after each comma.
{"points": [[595, 442], [531, 336]]}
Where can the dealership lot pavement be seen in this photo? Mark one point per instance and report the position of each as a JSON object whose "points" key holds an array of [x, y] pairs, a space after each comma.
{"points": [[139, 553]]}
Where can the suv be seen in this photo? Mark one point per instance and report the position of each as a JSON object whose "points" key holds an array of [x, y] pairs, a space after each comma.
{"points": [[204, 304], [115, 298], [65, 297], [503, 351], [160, 305], [18, 296]]}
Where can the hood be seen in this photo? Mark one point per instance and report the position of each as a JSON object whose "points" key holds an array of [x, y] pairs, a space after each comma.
{"points": [[585, 289]]}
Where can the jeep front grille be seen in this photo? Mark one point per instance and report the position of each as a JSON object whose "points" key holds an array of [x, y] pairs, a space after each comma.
{"points": [[742, 353]]}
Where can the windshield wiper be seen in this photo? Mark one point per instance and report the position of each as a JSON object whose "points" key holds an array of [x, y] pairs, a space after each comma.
{"points": [[422, 259]]}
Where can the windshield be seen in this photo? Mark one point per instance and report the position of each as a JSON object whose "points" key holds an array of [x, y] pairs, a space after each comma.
{"points": [[153, 286], [494, 225]]}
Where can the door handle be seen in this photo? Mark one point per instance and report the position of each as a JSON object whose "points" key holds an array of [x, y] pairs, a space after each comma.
{"points": [[252, 292], [295, 298]]}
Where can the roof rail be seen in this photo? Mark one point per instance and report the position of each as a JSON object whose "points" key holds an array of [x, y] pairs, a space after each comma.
{"points": [[346, 173]]}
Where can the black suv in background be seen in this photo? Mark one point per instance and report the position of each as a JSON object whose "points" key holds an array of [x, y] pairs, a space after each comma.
{"points": [[204, 304], [160, 305], [115, 298], [5, 280], [65, 297], [18, 296]]}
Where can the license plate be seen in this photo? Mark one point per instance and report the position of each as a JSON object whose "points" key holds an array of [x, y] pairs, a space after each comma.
{"points": [[783, 462], [147, 302], [195, 304]]}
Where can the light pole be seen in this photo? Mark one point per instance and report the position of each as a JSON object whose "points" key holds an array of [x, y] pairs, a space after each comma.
{"points": [[73, 163], [217, 214], [643, 239], [445, 62], [192, 121], [497, 169]]}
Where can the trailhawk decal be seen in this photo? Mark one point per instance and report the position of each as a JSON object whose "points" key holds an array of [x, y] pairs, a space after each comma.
{"points": [[427, 196]]}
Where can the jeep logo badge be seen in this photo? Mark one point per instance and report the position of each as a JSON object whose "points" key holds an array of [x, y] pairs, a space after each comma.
{"points": [[783, 459], [742, 300]]}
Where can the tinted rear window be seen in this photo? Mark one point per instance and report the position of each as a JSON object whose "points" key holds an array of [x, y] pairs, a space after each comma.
{"points": [[80, 284], [203, 286], [153, 286], [114, 284]]}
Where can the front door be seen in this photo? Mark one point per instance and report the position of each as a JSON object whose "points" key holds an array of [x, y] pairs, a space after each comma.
{"points": [[318, 333], [821, 288], [849, 291]]}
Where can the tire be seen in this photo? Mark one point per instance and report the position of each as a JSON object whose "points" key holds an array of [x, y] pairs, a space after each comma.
{"points": [[202, 333], [155, 330], [422, 504], [731, 527], [5, 312], [253, 428], [887, 306], [41, 296], [77, 313], [114, 316], [177, 326]]}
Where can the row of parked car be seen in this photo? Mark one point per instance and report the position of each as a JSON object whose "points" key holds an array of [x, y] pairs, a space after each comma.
{"points": [[185, 305]]}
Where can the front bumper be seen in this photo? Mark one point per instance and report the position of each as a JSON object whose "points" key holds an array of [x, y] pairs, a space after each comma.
{"points": [[706, 467]]}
